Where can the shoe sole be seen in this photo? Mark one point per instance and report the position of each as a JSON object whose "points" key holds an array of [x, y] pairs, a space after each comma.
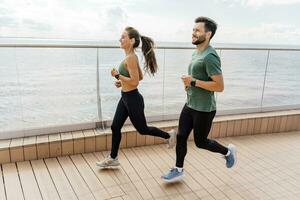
{"points": [[107, 166], [178, 178]]}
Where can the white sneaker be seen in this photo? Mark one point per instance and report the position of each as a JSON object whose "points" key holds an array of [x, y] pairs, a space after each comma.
{"points": [[172, 139], [108, 162]]}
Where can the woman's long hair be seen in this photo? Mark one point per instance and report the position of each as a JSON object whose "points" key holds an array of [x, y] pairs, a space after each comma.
{"points": [[150, 64]]}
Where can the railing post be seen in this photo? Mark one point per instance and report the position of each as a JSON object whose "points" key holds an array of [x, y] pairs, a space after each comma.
{"points": [[264, 84], [99, 108], [163, 95]]}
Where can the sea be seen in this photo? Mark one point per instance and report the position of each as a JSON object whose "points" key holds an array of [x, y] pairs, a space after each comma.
{"points": [[45, 86]]}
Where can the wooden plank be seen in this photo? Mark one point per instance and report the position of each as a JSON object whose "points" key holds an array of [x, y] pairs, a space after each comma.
{"points": [[298, 123], [100, 141], [30, 151], [237, 127], [12, 182], [134, 177], [283, 124], [108, 141], [244, 127], [295, 123], [131, 139], [89, 177], [271, 124], [223, 129], [61, 182], [79, 186], [154, 171], [123, 143], [78, 139], [149, 140], [104, 177], [2, 189], [164, 166], [215, 132], [4, 151], [157, 140], [43, 146], [16, 150], [43, 178], [264, 125], [89, 141], [140, 140], [67, 147], [28, 182], [168, 156], [55, 145], [230, 128], [250, 128], [4, 156], [257, 125], [144, 174], [115, 189]]}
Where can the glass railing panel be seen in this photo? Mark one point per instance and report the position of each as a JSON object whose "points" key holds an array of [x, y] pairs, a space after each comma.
{"points": [[58, 86], [176, 65], [282, 86], [11, 113], [243, 72]]}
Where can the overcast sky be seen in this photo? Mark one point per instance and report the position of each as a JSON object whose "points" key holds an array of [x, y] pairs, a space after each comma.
{"points": [[240, 21]]}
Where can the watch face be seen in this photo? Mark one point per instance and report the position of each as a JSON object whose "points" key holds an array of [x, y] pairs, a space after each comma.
{"points": [[193, 83]]}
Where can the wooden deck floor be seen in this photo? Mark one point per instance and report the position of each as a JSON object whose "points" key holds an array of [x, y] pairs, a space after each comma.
{"points": [[268, 168]]}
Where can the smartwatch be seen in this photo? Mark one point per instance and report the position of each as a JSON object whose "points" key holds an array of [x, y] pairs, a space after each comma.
{"points": [[117, 76], [193, 83]]}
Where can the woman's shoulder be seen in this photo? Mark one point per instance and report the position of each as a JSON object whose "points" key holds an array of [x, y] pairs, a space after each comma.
{"points": [[132, 58]]}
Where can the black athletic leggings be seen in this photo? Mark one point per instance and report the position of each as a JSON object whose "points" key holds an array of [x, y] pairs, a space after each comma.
{"points": [[201, 123], [131, 105]]}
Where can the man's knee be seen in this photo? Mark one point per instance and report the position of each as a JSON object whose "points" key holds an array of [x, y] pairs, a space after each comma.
{"points": [[181, 138], [115, 128]]}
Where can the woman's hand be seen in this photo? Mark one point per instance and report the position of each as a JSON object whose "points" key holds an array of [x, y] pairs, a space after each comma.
{"points": [[114, 72], [118, 83]]}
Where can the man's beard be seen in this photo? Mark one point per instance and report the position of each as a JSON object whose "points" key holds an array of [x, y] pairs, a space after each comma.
{"points": [[200, 40]]}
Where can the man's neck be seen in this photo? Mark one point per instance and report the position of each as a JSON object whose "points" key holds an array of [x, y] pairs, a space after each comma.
{"points": [[203, 46]]}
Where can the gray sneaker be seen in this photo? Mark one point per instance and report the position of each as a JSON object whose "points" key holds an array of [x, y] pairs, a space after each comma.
{"points": [[173, 175], [172, 139], [231, 158], [108, 162]]}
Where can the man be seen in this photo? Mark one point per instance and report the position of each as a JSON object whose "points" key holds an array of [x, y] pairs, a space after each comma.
{"points": [[203, 79]]}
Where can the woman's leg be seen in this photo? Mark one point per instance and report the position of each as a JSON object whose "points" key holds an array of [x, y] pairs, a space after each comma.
{"points": [[135, 105], [120, 117]]}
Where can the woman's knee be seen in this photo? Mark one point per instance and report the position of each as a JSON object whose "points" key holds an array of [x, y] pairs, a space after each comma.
{"points": [[202, 143], [143, 130]]}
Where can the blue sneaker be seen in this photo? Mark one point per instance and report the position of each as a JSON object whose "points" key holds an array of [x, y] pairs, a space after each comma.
{"points": [[232, 158], [173, 175]]}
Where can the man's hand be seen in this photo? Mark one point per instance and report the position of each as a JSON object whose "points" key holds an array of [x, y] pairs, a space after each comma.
{"points": [[186, 79], [118, 83]]}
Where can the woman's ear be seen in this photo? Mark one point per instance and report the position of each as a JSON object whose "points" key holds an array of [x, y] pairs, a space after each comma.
{"points": [[132, 40]]}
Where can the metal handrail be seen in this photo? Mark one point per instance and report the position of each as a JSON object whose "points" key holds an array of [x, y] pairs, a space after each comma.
{"points": [[116, 47]]}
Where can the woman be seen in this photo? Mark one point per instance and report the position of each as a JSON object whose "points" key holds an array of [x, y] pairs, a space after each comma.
{"points": [[131, 103]]}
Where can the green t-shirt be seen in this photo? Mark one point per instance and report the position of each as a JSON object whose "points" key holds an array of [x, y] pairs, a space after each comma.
{"points": [[203, 65]]}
